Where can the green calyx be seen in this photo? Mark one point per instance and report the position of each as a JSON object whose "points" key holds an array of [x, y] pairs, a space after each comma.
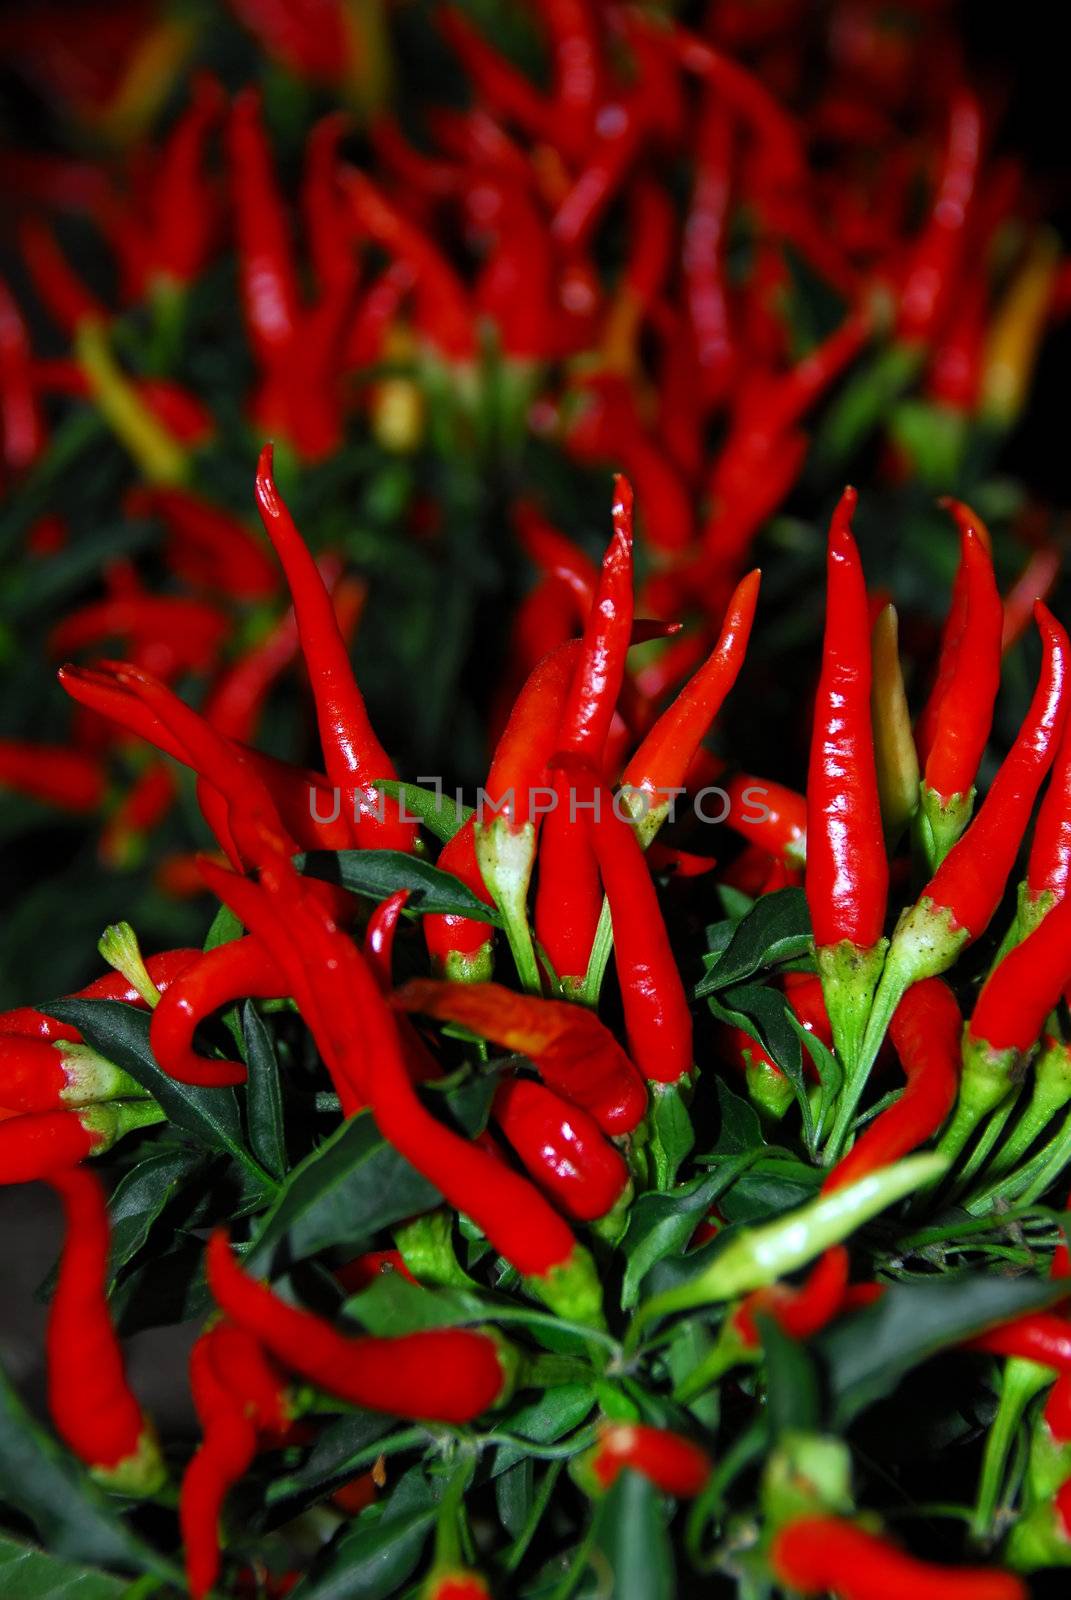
{"points": [[92, 1079], [427, 1247], [849, 977], [942, 819], [114, 1119], [139, 1474], [470, 966], [757, 1257], [506, 855], [1038, 1540], [572, 1289], [118, 944], [808, 1475], [988, 1077], [769, 1091]]}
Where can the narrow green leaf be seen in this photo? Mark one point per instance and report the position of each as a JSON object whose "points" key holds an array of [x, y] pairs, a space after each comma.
{"points": [[380, 873], [263, 1094]]}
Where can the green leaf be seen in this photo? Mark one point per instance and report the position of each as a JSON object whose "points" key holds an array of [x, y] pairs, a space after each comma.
{"points": [[777, 929], [392, 1306], [661, 1224], [224, 930], [379, 873], [351, 1186], [866, 1355], [739, 1125], [671, 1132], [793, 1396], [74, 1518], [439, 813], [142, 1194], [545, 1420], [631, 1540], [376, 1556], [334, 1459], [121, 1033], [263, 1094], [30, 1574]]}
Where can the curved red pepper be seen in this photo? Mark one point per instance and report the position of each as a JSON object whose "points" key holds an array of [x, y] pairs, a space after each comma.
{"points": [[1025, 986], [52, 773], [799, 1312], [230, 972], [927, 1032], [668, 1460], [443, 1375], [163, 969]]}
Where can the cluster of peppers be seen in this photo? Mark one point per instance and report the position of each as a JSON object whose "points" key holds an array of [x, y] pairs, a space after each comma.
{"points": [[576, 1130], [490, 233]]}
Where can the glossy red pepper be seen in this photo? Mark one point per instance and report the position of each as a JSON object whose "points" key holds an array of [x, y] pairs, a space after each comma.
{"points": [[379, 935], [40, 1076], [207, 545], [562, 1147], [847, 873], [1048, 870], [671, 1462], [570, 1048], [163, 969], [965, 711], [268, 278], [353, 754], [815, 1555], [926, 1031], [443, 1375], [90, 1402], [1025, 986], [238, 970], [1041, 1336], [657, 1018], [768, 815], [660, 764]]}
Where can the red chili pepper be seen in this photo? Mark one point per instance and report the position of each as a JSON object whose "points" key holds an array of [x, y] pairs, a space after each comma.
{"points": [[668, 1460], [1041, 1336], [568, 898], [567, 1044], [22, 428], [970, 881], [661, 763], [965, 709], [163, 969], [847, 873], [363, 1270], [703, 255], [620, 136], [926, 1030], [1024, 987], [179, 634], [657, 1018], [515, 288], [813, 1555], [379, 935], [799, 1312], [354, 756], [182, 209], [1048, 870], [142, 808], [769, 815], [63, 294], [443, 1375], [52, 773], [501, 87], [518, 770], [556, 556], [233, 971], [306, 37], [1033, 584], [442, 309], [270, 300], [207, 545], [238, 1395], [748, 98], [89, 1399], [39, 1076], [923, 298], [563, 1148], [952, 634]]}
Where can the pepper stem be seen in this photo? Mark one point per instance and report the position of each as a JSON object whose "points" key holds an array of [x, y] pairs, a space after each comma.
{"points": [[157, 453], [849, 977], [945, 819], [505, 855], [988, 1077], [1022, 1381], [926, 942], [1051, 1092]]}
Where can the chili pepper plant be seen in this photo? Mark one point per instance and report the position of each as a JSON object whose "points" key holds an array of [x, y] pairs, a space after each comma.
{"points": [[537, 764]]}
